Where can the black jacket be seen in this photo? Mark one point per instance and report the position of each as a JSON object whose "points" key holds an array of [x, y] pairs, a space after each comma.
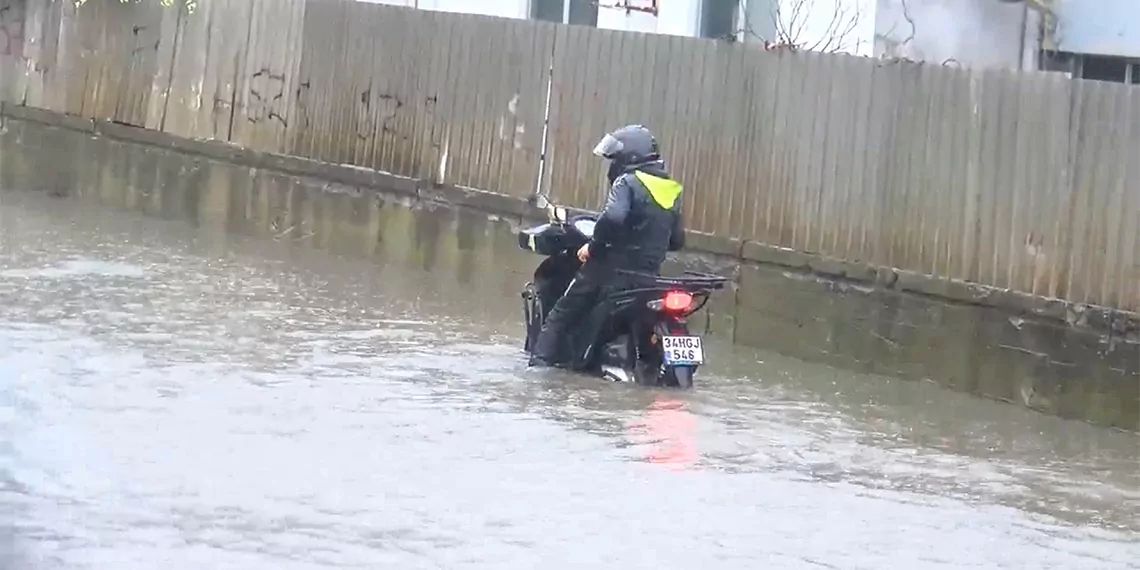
{"points": [[636, 228]]}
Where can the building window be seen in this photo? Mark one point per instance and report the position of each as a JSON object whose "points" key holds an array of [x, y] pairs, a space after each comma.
{"points": [[578, 12], [1092, 67], [1112, 69], [546, 10], [1059, 61], [718, 19]]}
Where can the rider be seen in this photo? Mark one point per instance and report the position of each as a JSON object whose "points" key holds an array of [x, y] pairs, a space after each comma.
{"points": [[640, 221]]}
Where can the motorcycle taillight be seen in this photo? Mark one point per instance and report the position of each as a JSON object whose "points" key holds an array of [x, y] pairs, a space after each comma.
{"points": [[673, 301], [677, 301]]}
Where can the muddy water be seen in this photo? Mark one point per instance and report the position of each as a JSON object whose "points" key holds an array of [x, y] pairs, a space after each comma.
{"points": [[173, 397]]}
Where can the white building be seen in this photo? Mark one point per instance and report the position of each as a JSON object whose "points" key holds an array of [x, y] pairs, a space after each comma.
{"points": [[826, 25], [1091, 39]]}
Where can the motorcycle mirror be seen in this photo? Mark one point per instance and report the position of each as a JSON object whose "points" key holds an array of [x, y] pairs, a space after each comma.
{"points": [[555, 213], [541, 202]]}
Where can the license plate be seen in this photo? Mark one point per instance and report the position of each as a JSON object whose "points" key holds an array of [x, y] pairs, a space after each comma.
{"points": [[682, 350]]}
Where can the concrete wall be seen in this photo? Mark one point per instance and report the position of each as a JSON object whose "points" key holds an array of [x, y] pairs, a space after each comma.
{"points": [[969, 33], [13, 15], [519, 9], [1004, 35], [1102, 27], [830, 25], [1075, 362], [677, 17]]}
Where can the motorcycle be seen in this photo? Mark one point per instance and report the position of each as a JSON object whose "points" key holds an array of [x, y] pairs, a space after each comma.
{"points": [[639, 334]]}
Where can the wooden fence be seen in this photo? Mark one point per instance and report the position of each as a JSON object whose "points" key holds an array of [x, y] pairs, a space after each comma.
{"points": [[1024, 181]]}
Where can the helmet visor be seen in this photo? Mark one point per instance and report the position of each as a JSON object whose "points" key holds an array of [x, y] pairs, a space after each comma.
{"points": [[608, 147]]}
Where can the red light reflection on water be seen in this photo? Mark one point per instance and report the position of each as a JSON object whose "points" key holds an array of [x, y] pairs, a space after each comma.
{"points": [[669, 430]]}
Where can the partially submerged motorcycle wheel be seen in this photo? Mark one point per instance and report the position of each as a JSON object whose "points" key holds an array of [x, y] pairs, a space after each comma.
{"points": [[677, 377], [648, 375], [615, 374]]}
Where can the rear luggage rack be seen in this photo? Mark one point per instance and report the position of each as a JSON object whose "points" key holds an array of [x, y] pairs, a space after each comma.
{"points": [[690, 281]]}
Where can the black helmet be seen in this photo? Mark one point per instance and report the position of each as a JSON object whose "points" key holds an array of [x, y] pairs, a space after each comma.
{"points": [[629, 146]]}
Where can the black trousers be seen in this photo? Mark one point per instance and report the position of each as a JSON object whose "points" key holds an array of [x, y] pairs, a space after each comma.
{"points": [[555, 343]]}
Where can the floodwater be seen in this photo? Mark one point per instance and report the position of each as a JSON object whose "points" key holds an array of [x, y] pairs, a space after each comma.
{"points": [[176, 398]]}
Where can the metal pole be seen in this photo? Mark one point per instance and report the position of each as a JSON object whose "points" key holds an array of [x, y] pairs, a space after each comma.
{"points": [[566, 11]]}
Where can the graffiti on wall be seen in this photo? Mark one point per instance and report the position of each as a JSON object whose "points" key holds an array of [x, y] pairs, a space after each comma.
{"points": [[382, 108], [376, 114], [266, 97], [301, 101], [12, 28], [144, 39]]}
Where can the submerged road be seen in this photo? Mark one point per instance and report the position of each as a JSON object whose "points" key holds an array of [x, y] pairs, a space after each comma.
{"points": [[178, 399]]}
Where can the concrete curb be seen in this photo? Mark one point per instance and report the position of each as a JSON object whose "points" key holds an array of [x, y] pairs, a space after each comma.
{"points": [[1116, 323]]}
